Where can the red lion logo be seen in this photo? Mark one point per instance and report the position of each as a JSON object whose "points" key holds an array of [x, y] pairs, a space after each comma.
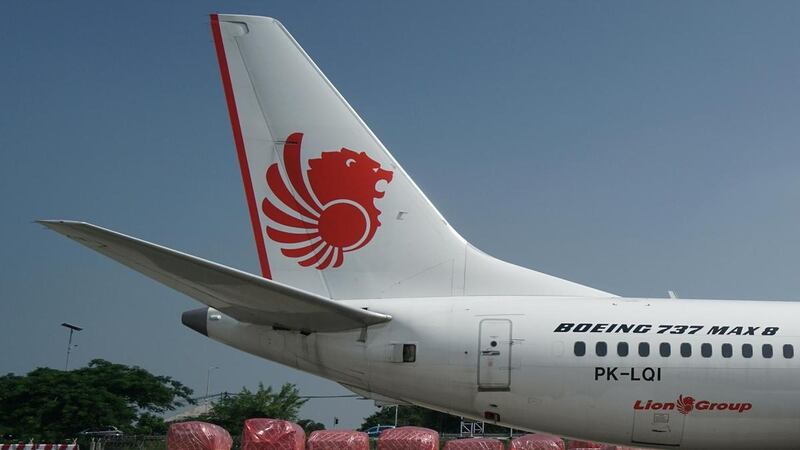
{"points": [[685, 404], [328, 212]]}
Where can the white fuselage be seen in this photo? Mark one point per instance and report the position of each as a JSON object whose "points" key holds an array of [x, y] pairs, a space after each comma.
{"points": [[513, 360]]}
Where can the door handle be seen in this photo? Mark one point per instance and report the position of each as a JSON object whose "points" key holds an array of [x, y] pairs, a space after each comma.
{"points": [[490, 353]]}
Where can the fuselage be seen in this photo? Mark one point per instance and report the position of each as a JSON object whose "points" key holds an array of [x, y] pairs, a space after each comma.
{"points": [[694, 374]]}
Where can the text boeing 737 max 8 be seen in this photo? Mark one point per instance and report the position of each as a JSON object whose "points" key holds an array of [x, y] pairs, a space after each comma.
{"points": [[365, 283]]}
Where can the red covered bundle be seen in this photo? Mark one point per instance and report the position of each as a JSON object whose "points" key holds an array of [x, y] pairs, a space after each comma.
{"points": [[272, 434], [23, 446], [338, 440], [474, 444], [198, 436], [537, 442], [408, 438]]}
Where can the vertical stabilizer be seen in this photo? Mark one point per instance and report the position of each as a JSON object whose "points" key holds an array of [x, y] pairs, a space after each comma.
{"points": [[332, 211]]}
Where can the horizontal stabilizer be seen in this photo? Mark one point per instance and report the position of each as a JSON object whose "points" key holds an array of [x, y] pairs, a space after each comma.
{"points": [[245, 297]]}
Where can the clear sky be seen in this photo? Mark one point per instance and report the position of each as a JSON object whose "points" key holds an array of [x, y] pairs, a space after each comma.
{"points": [[634, 147]]}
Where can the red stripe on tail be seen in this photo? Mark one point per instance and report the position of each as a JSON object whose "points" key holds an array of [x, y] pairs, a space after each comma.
{"points": [[240, 150]]}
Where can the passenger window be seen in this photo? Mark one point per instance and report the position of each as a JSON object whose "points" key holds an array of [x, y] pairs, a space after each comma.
{"points": [[747, 350], [580, 348], [788, 351], [705, 350], [622, 349], [664, 349], [409, 352], [601, 349], [644, 349], [727, 350], [766, 351], [686, 349]]}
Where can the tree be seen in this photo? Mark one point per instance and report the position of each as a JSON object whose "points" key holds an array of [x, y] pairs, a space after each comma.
{"points": [[150, 425], [54, 404], [231, 411], [309, 425]]}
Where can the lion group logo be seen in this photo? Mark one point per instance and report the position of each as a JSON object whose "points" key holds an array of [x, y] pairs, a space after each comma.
{"points": [[686, 404], [326, 210]]}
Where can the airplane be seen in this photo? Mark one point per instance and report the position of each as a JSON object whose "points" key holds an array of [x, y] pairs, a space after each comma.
{"points": [[365, 283]]}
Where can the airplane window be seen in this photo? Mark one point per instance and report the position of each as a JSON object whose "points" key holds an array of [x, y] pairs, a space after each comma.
{"points": [[601, 349], [644, 349], [622, 349], [727, 350], [705, 350], [747, 350], [580, 348], [766, 351], [686, 349], [409, 352], [788, 351], [665, 349]]}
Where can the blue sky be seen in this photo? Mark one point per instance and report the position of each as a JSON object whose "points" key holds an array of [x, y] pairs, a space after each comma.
{"points": [[634, 147]]}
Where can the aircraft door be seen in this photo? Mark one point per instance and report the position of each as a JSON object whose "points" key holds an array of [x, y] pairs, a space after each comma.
{"points": [[664, 427], [494, 355]]}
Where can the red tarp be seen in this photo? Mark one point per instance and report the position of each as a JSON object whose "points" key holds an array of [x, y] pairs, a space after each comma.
{"points": [[474, 444], [272, 434], [198, 436], [338, 440], [22, 446], [537, 442], [408, 438]]}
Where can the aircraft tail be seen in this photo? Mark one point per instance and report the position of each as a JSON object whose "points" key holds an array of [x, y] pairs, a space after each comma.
{"points": [[332, 211]]}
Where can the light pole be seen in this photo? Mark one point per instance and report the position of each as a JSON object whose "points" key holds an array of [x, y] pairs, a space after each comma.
{"points": [[208, 384], [72, 329]]}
